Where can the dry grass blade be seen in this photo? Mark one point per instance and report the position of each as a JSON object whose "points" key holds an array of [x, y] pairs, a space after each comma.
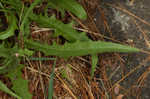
{"points": [[97, 34], [66, 87], [41, 78], [144, 34], [132, 71]]}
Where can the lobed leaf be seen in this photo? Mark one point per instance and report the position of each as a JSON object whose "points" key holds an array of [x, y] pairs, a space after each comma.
{"points": [[62, 29], [70, 5], [20, 86], [79, 48]]}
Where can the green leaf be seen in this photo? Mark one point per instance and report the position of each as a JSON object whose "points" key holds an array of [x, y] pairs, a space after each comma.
{"points": [[23, 52], [20, 86], [25, 22], [9, 65], [54, 6], [4, 52], [79, 48], [12, 26], [70, 5], [62, 29], [94, 64], [4, 88], [10, 61], [14, 5], [27, 29]]}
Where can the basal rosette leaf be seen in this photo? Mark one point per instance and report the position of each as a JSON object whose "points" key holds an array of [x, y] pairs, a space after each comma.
{"points": [[70, 5], [20, 85], [60, 28], [79, 48]]}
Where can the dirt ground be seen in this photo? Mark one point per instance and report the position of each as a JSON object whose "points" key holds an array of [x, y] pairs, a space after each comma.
{"points": [[129, 22]]}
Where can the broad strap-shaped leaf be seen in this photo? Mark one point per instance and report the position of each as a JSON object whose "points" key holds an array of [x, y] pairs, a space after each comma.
{"points": [[20, 86], [79, 48], [70, 5], [4, 88], [62, 29]]}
